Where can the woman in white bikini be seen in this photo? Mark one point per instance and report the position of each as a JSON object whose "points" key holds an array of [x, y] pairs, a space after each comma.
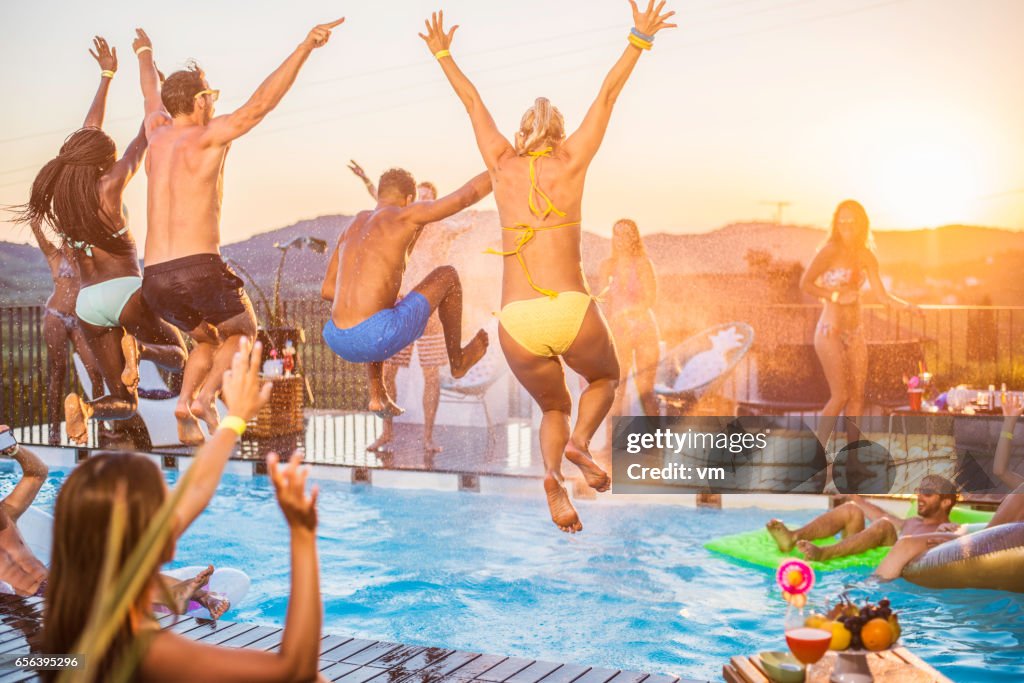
{"points": [[836, 276]]}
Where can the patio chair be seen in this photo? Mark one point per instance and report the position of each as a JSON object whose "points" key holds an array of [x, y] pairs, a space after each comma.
{"points": [[700, 364], [472, 388]]}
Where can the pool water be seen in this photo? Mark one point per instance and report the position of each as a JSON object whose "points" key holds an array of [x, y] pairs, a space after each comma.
{"points": [[491, 574]]}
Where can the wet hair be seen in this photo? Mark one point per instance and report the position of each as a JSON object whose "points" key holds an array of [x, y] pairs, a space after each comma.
{"points": [[397, 180], [863, 238], [178, 91], [81, 524], [541, 126], [430, 186], [64, 193]]}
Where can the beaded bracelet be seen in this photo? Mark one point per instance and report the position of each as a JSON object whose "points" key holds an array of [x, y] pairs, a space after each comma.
{"points": [[1007, 435]]}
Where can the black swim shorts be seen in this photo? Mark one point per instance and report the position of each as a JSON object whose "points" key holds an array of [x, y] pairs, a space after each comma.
{"points": [[193, 290]]}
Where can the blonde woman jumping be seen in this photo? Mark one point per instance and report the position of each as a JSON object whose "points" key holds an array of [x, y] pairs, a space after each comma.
{"points": [[548, 314]]}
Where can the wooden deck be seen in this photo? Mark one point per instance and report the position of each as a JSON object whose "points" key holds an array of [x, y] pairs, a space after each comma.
{"points": [[351, 660]]}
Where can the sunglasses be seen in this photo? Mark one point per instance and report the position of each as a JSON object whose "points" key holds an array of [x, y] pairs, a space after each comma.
{"points": [[214, 94]]}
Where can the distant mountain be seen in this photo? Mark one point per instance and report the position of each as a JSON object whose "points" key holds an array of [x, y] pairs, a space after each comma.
{"points": [[917, 259]]}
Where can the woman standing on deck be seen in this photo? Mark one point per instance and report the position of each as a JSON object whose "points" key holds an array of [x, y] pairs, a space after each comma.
{"points": [[81, 194], [548, 314], [83, 513], [629, 290], [60, 326], [836, 276]]}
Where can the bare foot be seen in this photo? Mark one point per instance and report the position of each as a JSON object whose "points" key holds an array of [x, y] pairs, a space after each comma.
{"points": [[782, 535], [130, 374], [207, 412], [563, 514], [189, 432], [183, 591], [809, 550], [216, 603], [76, 414], [376, 446], [384, 407], [430, 447], [595, 477], [471, 354]]}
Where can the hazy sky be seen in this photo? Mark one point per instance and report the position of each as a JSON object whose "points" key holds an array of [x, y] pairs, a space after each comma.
{"points": [[914, 107]]}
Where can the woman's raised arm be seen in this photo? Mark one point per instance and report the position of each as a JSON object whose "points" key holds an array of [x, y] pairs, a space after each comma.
{"points": [[582, 145], [493, 145]]}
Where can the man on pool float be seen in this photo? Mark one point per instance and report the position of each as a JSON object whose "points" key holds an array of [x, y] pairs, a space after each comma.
{"points": [[935, 498], [1011, 510], [24, 574]]}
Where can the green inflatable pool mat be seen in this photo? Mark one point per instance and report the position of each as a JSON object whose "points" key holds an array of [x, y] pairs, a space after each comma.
{"points": [[758, 548]]}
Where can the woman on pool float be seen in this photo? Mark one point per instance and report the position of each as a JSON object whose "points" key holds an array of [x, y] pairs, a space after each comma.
{"points": [[82, 519], [548, 314]]}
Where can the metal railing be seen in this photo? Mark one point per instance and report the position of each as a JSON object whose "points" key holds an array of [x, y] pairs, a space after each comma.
{"points": [[960, 344]]}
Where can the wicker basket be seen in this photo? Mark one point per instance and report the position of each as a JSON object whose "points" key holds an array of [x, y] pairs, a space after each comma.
{"points": [[283, 412]]}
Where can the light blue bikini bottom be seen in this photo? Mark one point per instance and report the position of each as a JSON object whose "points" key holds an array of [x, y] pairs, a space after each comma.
{"points": [[101, 304]]}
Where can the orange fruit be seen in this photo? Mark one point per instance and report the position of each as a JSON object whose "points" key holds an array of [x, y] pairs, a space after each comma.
{"points": [[876, 634]]}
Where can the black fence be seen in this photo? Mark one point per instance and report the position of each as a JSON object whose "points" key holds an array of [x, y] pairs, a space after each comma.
{"points": [[977, 346]]}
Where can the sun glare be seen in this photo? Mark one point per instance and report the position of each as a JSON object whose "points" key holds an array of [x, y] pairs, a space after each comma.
{"points": [[928, 184]]}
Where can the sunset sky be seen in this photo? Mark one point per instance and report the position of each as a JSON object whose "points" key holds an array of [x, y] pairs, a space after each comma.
{"points": [[914, 107]]}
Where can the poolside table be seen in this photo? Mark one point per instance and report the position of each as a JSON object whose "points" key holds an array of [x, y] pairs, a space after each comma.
{"points": [[898, 665]]}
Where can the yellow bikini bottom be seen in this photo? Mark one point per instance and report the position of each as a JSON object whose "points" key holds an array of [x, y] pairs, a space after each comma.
{"points": [[546, 326]]}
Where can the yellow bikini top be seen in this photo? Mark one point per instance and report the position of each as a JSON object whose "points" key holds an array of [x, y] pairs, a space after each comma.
{"points": [[527, 231]]}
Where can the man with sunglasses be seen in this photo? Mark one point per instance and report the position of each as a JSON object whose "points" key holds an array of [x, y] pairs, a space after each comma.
{"points": [[935, 498], [185, 280]]}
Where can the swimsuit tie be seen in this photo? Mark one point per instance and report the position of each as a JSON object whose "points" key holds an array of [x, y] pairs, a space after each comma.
{"points": [[528, 232]]}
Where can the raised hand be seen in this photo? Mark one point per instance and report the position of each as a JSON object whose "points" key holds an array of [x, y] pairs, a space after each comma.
{"points": [[141, 41], [241, 390], [104, 55], [358, 170], [651, 20], [436, 38], [1012, 405], [290, 486], [321, 33]]}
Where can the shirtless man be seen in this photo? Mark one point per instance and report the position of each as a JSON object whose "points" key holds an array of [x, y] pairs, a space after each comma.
{"points": [[432, 249], [23, 572], [1010, 510], [364, 278], [185, 280], [935, 498]]}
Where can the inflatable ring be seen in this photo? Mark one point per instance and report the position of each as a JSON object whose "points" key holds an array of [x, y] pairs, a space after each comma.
{"points": [[991, 558]]}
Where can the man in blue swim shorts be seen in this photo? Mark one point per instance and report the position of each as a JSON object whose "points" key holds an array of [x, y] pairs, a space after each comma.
{"points": [[365, 275]]}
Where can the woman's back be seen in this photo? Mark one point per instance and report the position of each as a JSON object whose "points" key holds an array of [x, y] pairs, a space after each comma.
{"points": [[552, 254]]}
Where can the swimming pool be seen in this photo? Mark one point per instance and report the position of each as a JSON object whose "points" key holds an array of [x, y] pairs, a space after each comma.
{"points": [[488, 573]]}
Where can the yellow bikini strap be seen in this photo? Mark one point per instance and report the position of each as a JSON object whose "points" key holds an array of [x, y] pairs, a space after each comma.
{"points": [[535, 189], [526, 233]]}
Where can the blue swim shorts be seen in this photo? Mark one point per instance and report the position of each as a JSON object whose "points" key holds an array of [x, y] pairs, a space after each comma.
{"points": [[383, 334]]}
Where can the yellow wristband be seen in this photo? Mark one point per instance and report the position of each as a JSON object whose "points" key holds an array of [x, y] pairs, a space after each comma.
{"points": [[442, 53], [106, 73], [1006, 435], [640, 42], [144, 48], [234, 423]]}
